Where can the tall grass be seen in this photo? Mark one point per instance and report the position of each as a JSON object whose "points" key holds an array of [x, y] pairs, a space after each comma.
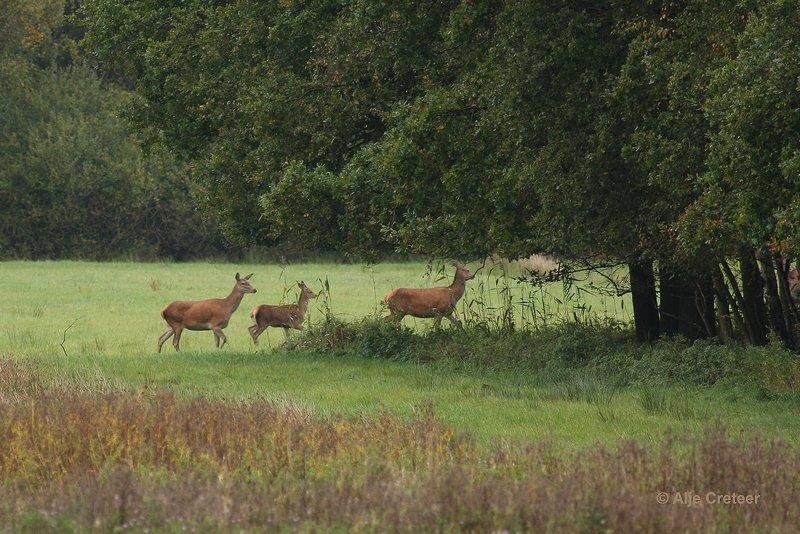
{"points": [[104, 458], [539, 292]]}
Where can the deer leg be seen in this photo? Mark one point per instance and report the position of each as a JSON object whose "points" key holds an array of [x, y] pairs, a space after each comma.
{"points": [[455, 320], [216, 340], [218, 332], [176, 341], [394, 317], [285, 333], [254, 333], [165, 336]]}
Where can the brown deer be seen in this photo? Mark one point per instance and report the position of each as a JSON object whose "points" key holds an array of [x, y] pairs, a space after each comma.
{"points": [[285, 316], [794, 284], [211, 314], [435, 302]]}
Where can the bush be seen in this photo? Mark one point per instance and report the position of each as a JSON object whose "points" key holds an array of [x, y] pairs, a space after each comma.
{"points": [[74, 183], [555, 354]]}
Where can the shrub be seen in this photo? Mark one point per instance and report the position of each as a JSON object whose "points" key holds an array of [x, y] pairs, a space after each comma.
{"points": [[75, 183], [560, 353]]}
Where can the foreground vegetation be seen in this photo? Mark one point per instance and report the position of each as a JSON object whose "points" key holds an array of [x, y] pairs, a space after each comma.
{"points": [[84, 455]]}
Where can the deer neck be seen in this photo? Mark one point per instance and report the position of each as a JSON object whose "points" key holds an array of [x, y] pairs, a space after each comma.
{"points": [[458, 287], [302, 304], [234, 299]]}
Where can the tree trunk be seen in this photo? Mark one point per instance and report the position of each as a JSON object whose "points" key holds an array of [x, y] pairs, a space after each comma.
{"points": [[704, 304], [686, 303], [787, 303], [726, 332], [645, 304], [670, 308], [777, 320], [753, 297]]}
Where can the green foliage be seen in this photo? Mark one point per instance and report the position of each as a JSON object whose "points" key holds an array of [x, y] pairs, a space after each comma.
{"points": [[557, 353], [74, 182], [648, 133], [753, 162]]}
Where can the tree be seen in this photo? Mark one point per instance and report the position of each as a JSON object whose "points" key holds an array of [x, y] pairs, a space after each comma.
{"points": [[74, 182], [596, 132]]}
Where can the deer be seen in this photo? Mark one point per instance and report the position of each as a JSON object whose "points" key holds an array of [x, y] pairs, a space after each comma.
{"points": [[210, 314], [794, 284], [286, 316], [434, 302]]}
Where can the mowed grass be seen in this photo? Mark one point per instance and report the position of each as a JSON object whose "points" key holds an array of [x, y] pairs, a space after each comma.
{"points": [[115, 309]]}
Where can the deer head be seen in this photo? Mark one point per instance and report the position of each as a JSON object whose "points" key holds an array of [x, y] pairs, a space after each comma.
{"points": [[243, 284], [463, 273], [305, 291]]}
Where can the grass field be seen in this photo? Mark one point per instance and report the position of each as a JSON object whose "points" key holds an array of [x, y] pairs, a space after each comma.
{"points": [[115, 310]]}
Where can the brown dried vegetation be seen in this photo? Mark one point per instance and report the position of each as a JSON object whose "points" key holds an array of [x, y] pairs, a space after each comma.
{"points": [[76, 457]]}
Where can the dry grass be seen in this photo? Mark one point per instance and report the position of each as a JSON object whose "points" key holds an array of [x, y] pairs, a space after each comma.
{"points": [[540, 264], [78, 457]]}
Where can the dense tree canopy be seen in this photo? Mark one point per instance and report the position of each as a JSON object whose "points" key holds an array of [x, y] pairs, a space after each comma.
{"points": [[74, 181], [659, 134]]}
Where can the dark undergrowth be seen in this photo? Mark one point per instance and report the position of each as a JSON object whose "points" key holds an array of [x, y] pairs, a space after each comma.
{"points": [[74, 457], [553, 354]]}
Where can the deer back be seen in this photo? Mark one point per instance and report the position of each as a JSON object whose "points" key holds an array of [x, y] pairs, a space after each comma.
{"points": [[421, 302], [286, 315], [197, 312]]}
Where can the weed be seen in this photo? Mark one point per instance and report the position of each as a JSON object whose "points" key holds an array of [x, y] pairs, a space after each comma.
{"points": [[670, 403]]}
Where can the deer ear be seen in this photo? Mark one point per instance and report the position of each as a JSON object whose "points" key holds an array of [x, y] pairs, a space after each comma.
{"points": [[248, 276], [237, 277]]}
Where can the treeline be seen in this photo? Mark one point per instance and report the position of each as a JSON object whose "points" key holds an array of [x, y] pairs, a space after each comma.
{"points": [[659, 134], [74, 181]]}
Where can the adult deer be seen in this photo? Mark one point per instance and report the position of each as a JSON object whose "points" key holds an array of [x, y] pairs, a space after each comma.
{"points": [[434, 302], [211, 314], [794, 284], [285, 316]]}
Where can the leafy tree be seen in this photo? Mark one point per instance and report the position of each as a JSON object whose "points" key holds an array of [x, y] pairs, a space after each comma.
{"points": [[603, 133], [74, 182]]}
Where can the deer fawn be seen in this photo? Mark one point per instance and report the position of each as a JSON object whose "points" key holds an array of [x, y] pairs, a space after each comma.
{"points": [[286, 316], [435, 302], [211, 314]]}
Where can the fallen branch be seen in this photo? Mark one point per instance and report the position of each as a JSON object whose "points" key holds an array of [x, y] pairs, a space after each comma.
{"points": [[64, 336]]}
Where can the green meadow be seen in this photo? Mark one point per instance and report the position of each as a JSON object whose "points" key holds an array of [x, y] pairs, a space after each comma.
{"points": [[114, 312]]}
